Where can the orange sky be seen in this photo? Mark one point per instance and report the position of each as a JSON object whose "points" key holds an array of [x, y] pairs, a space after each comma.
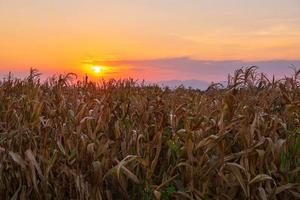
{"points": [[63, 36]]}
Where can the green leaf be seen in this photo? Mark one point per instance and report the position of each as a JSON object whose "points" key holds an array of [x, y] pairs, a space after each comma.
{"points": [[170, 189]]}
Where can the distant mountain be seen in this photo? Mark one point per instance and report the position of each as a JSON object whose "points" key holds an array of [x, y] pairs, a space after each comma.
{"points": [[195, 84]]}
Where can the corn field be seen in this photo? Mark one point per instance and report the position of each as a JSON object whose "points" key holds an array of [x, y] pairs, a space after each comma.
{"points": [[122, 139]]}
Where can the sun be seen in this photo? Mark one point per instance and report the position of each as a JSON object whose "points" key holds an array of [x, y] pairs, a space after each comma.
{"points": [[97, 69]]}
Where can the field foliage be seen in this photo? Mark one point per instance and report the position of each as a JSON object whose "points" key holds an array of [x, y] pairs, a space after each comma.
{"points": [[121, 139]]}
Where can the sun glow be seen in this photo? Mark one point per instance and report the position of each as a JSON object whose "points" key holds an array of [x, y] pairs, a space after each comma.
{"points": [[97, 69]]}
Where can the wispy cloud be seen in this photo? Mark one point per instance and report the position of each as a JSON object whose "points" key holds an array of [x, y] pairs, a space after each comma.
{"points": [[179, 68], [188, 68]]}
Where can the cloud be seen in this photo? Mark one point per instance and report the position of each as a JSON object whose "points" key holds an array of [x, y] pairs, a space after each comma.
{"points": [[181, 68], [278, 31], [184, 68]]}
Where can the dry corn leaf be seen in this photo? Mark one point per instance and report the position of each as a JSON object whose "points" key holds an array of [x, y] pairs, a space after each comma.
{"points": [[31, 159], [17, 158], [260, 178]]}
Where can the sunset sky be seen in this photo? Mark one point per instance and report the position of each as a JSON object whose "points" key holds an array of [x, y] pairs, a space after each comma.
{"points": [[149, 39]]}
